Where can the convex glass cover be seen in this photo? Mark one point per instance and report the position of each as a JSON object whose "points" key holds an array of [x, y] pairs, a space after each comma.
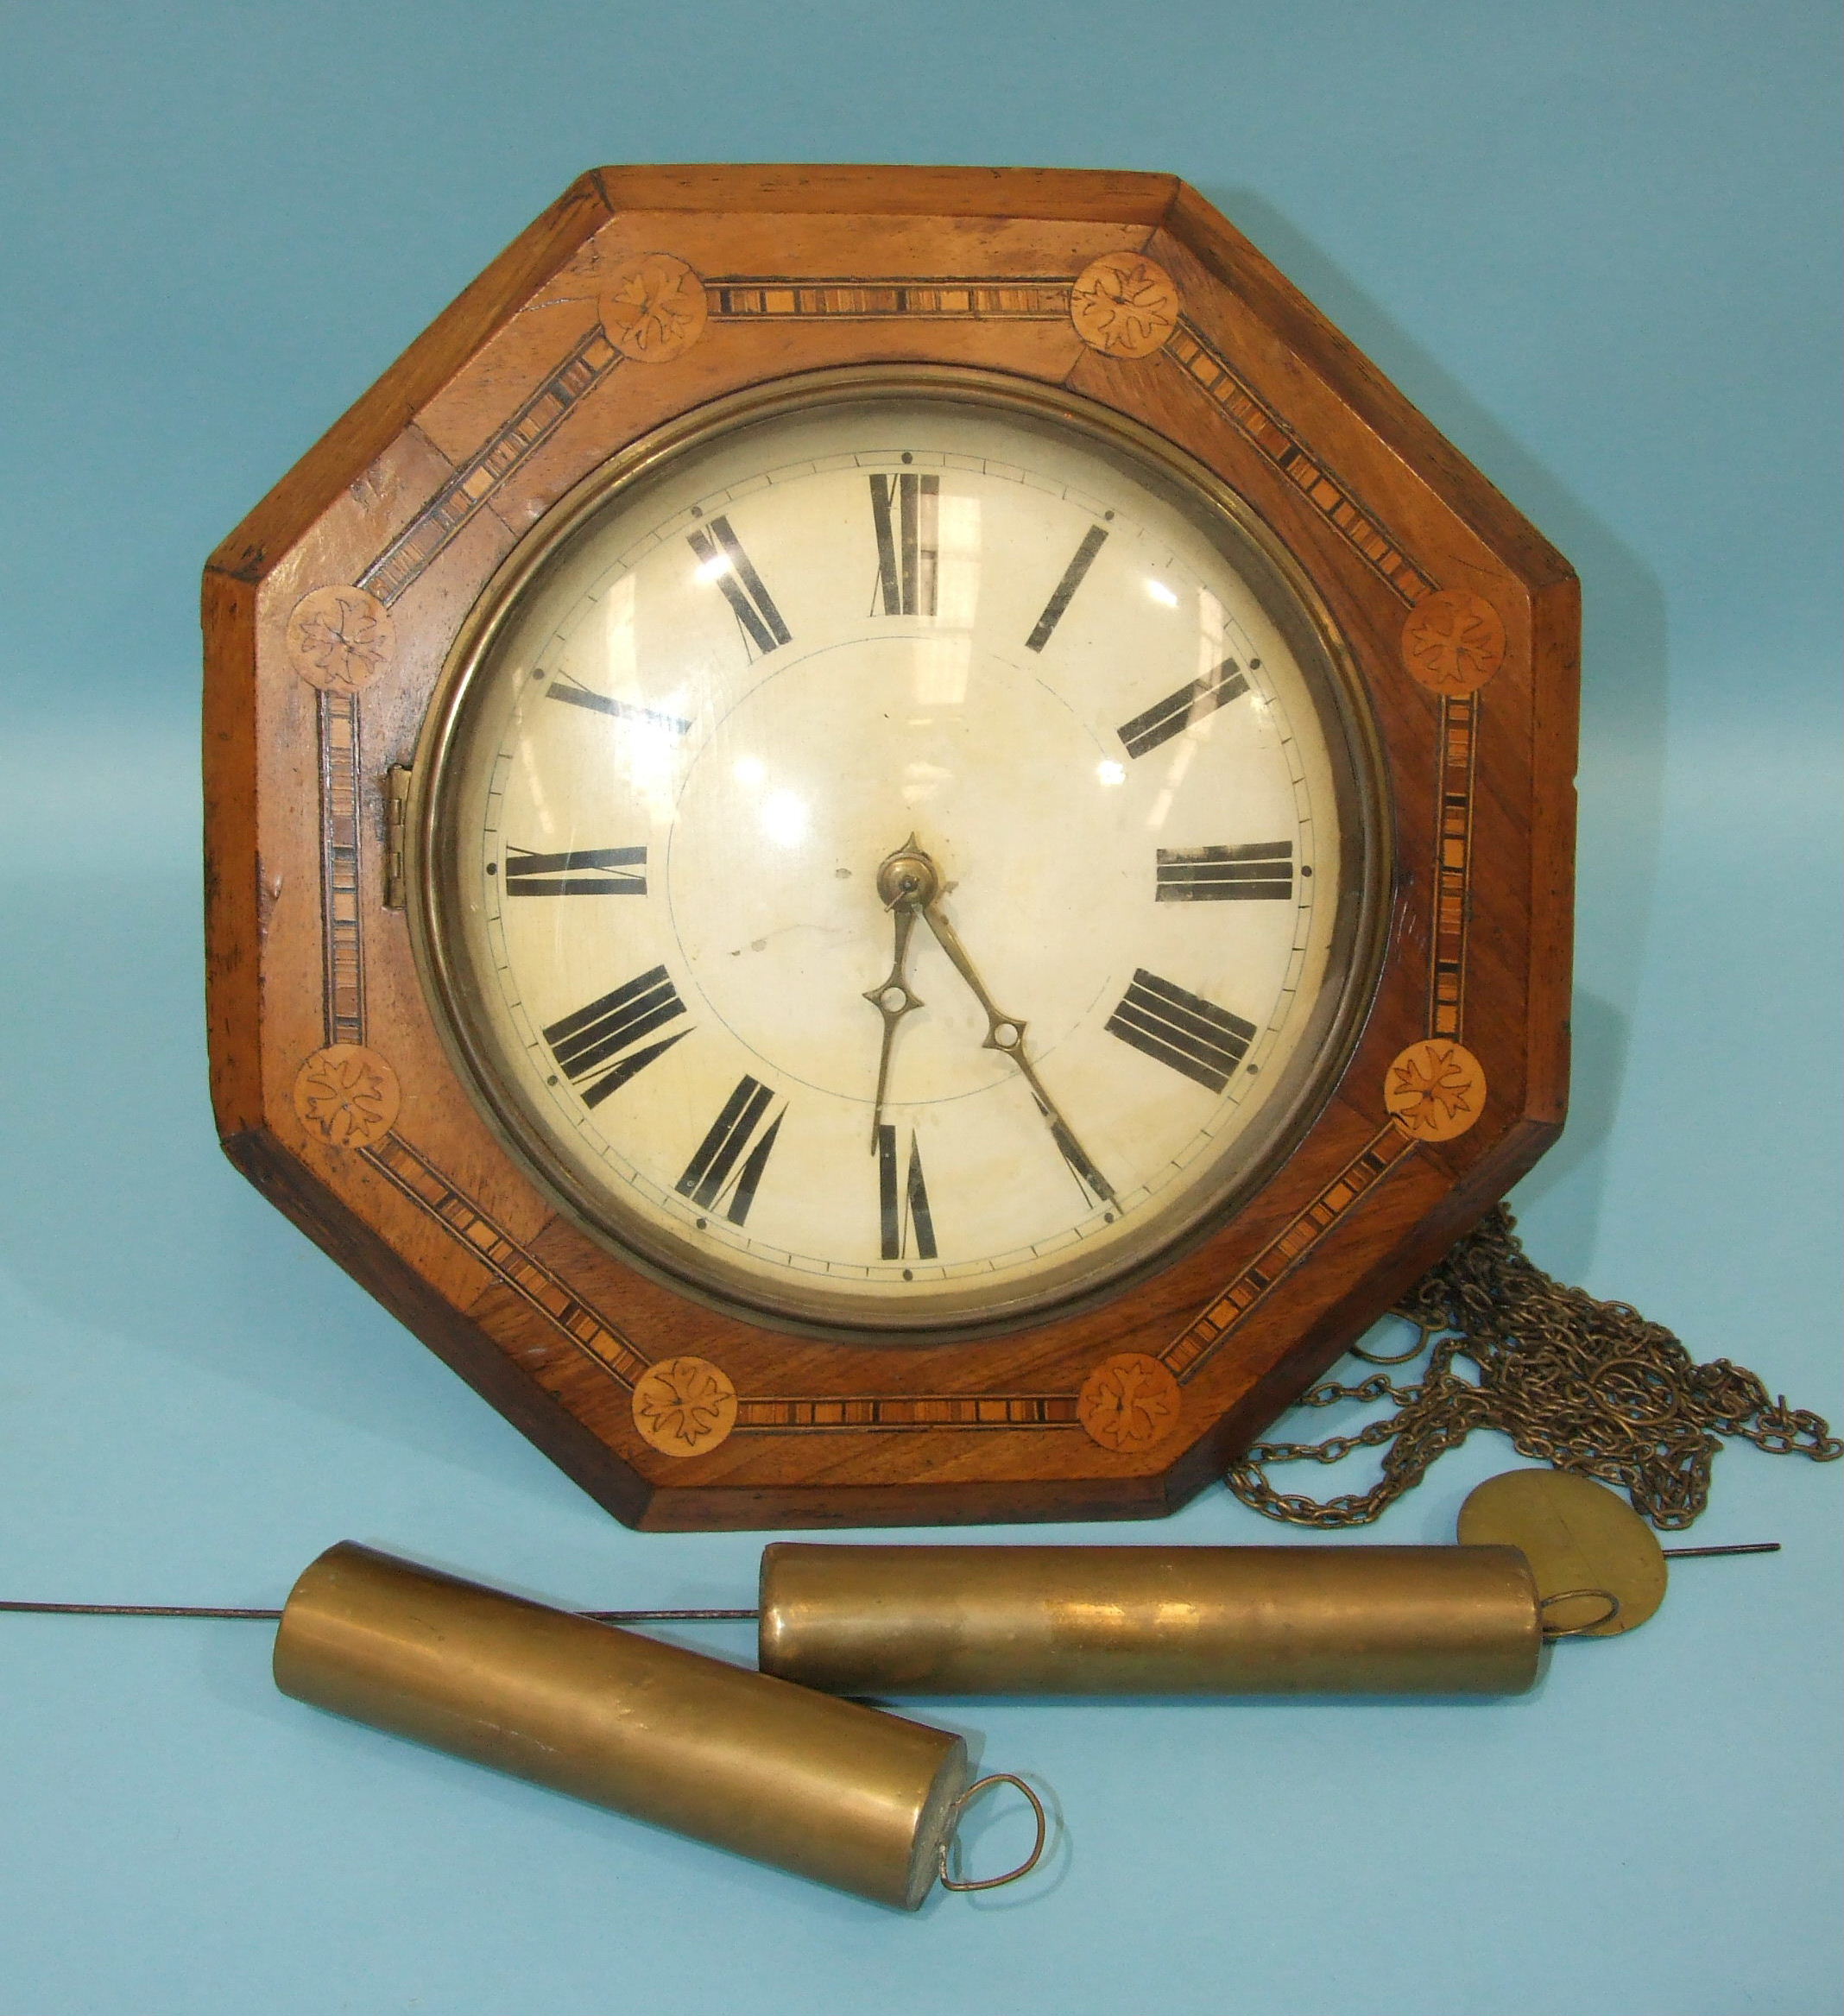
{"points": [[899, 855]]}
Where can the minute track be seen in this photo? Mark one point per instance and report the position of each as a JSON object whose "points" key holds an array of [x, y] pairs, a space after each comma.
{"points": [[1005, 1148]]}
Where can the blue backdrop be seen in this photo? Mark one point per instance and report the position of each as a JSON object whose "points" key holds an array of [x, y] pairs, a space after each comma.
{"points": [[1598, 245]]}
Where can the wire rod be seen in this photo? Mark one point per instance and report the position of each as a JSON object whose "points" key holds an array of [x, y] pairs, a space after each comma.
{"points": [[605, 1616], [271, 1616]]}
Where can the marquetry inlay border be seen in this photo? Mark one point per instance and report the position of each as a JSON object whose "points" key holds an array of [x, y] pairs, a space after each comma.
{"points": [[1112, 1398]]}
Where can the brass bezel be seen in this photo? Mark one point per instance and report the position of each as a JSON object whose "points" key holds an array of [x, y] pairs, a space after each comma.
{"points": [[1355, 956]]}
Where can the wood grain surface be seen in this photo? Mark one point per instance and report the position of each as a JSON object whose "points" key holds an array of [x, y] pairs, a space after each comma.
{"points": [[643, 293]]}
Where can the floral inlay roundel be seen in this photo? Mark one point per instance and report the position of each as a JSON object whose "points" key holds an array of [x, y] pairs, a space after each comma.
{"points": [[1124, 305], [1128, 1403], [338, 638], [1435, 1089], [685, 1405]]}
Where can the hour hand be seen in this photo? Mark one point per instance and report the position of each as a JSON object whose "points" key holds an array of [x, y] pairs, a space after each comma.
{"points": [[893, 997]]}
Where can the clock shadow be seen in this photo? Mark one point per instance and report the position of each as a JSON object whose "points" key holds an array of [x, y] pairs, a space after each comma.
{"points": [[1621, 781]]}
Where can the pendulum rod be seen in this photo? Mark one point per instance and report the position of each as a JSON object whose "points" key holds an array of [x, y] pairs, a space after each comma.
{"points": [[601, 1616], [274, 1617]]}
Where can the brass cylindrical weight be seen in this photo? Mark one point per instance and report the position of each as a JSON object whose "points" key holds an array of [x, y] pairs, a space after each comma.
{"points": [[1150, 1620], [828, 1789]]}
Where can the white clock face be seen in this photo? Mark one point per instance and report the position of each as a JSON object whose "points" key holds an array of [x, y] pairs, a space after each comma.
{"points": [[895, 866]]}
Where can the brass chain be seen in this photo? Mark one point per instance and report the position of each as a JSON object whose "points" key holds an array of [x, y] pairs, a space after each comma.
{"points": [[1587, 1385]]}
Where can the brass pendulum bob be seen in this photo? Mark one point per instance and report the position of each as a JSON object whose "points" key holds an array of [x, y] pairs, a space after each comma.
{"points": [[1587, 1547]]}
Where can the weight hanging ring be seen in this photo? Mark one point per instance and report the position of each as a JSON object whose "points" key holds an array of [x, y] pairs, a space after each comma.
{"points": [[1564, 1595], [1424, 1331], [960, 1807]]}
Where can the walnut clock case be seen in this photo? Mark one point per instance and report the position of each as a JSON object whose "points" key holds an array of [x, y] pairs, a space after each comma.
{"points": [[887, 845]]}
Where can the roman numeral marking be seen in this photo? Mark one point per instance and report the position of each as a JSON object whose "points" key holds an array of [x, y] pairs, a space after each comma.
{"points": [[1092, 541], [576, 695], [585, 871], [1176, 713], [722, 560], [707, 1179], [587, 1045], [905, 510], [1260, 872], [903, 1200], [1191, 1034]]}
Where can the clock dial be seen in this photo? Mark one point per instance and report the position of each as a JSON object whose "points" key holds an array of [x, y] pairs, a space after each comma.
{"points": [[988, 811]]}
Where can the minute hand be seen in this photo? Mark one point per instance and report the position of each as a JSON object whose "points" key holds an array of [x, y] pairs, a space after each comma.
{"points": [[1006, 1033]]}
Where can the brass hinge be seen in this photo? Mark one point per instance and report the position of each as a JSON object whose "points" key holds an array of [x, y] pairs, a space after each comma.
{"points": [[396, 818]]}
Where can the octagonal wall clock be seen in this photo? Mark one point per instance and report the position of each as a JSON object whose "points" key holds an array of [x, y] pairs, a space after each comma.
{"points": [[887, 845]]}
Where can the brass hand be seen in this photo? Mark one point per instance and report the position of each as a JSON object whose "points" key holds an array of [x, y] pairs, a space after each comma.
{"points": [[892, 998], [911, 878]]}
